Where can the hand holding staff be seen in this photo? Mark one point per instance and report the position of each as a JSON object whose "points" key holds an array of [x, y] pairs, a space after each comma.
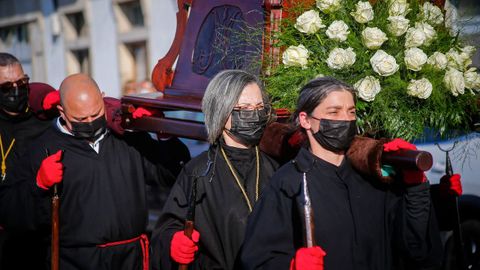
{"points": [[189, 237], [189, 221], [49, 174], [311, 256], [457, 229]]}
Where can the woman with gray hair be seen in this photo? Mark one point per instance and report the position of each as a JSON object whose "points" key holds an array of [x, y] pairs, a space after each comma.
{"points": [[226, 180]]}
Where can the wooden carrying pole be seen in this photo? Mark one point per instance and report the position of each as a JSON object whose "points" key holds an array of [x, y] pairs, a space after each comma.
{"points": [[308, 214], [408, 159], [55, 229], [189, 221], [55, 249]]}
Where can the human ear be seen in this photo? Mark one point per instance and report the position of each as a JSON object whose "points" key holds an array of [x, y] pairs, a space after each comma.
{"points": [[304, 120]]}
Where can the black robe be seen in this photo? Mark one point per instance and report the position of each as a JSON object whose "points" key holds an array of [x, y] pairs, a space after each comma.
{"points": [[14, 254], [359, 223], [102, 199], [221, 211]]}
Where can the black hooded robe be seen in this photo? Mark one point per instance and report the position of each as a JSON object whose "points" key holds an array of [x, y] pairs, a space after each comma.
{"points": [[14, 254], [360, 224], [221, 211], [102, 200]]}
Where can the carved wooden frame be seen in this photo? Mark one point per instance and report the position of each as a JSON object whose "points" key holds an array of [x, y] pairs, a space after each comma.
{"points": [[162, 74]]}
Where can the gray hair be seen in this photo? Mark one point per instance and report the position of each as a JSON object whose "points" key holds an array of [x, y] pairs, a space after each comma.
{"points": [[7, 59], [314, 92], [221, 95]]}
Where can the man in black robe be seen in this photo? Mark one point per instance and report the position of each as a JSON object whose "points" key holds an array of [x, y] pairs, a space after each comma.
{"points": [[25, 113], [359, 223], [101, 180]]}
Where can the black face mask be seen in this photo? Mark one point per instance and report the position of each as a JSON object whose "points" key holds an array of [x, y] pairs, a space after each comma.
{"points": [[335, 135], [248, 125], [15, 99], [90, 131]]}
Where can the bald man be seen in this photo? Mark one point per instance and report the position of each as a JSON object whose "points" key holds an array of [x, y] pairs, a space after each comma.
{"points": [[101, 179]]}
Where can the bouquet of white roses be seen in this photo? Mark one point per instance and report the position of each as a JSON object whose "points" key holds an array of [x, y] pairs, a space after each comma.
{"points": [[406, 62]]}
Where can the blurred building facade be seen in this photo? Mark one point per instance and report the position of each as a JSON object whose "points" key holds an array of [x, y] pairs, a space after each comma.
{"points": [[117, 42]]}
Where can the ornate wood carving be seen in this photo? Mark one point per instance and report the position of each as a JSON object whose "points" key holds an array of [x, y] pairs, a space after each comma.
{"points": [[162, 75]]}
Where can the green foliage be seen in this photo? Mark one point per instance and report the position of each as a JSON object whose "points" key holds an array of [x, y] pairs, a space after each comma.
{"points": [[393, 113]]}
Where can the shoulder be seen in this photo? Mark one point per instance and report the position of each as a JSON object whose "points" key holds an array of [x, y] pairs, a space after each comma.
{"points": [[198, 164], [268, 161], [287, 179], [49, 137]]}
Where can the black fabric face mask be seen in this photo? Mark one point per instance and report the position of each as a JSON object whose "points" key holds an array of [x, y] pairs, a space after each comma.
{"points": [[89, 130], [15, 100], [248, 125], [335, 135]]}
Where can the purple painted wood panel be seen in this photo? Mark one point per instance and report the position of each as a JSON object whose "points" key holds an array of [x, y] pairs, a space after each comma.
{"points": [[206, 48]]}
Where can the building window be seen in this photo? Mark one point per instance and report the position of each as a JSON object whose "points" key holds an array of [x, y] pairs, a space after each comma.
{"points": [[15, 40], [133, 12], [134, 62], [78, 61], [129, 15], [75, 26]]}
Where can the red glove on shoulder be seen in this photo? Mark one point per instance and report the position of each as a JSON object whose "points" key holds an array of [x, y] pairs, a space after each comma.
{"points": [[410, 177], [51, 100], [141, 112], [182, 248], [451, 185], [51, 171], [308, 259]]}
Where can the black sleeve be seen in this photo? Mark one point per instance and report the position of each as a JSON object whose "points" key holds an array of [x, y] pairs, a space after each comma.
{"points": [[170, 221], [418, 237], [172, 153], [269, 238], [23, 205]]}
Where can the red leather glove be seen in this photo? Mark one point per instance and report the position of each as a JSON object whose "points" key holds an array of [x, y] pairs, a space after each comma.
{"points": [[141, 112], [308, 259], [51, 100], [182, 248], [410, 177], [51, 171], [451, 185]]}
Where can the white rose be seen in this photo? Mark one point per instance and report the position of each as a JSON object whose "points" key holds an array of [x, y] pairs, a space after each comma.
{"points": [[415, 58], [296, 56], [368, 88], [469, 51], [383, 63], [309, 22], [373, 38], [398, 8], [415, 37], [438, 60], [430, 33], [329, 6], [338, 31], [340, 58], [472, 79], [451, 18], [459, 61], [420, 88], [454, 59], [398, 25], [454, 81], [363, 12], [431, 13]]}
